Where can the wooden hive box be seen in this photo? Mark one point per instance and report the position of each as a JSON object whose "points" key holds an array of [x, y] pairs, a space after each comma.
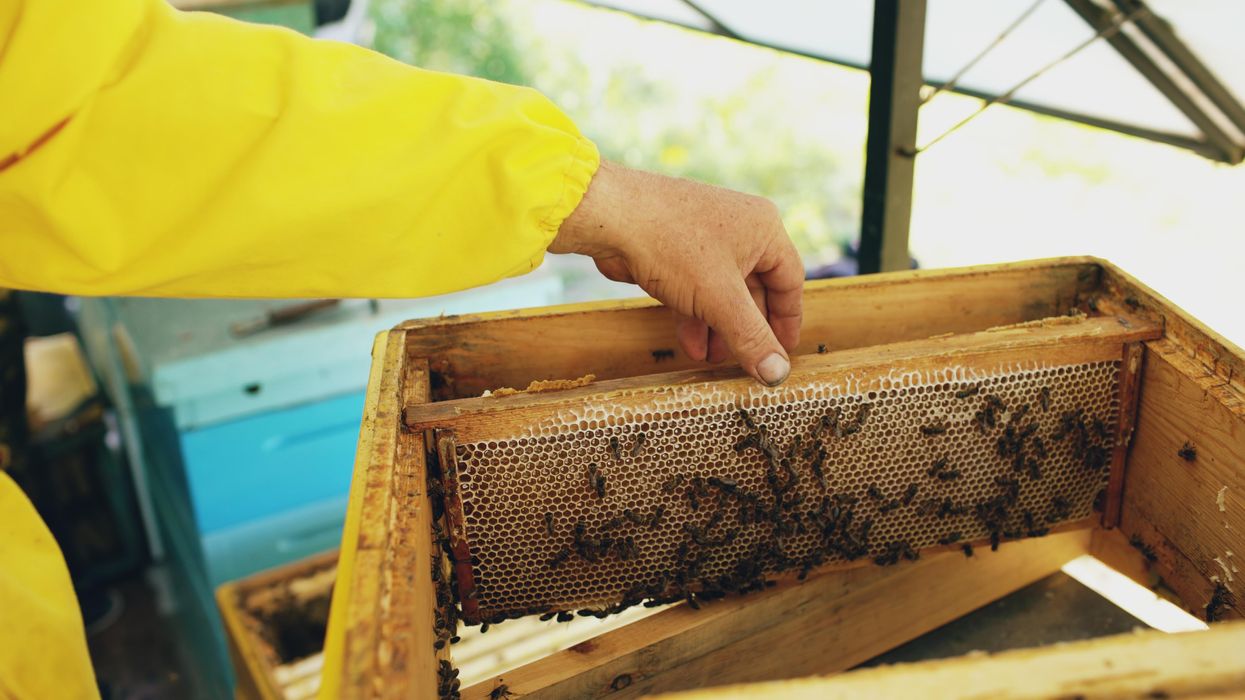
{"points": [[274, 623], [1172, 512]]}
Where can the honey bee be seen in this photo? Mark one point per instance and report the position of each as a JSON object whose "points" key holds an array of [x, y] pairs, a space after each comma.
{"points": [[1044, 398], [662, 354], [1039, 446], [672, 483], [596, 482], [615, 449], [933, 429], [636, 448], [910, 494], [560, 558], [549, 523], [1187, 452], [1220, 598], [657, 516], [862, 413], [746, 418], [968, 391]]}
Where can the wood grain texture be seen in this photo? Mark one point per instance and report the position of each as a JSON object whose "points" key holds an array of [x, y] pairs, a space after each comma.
{"points": [[1089, 340], [1148, 664], [352, 646], [1130, 382], [253, 661], [1216, 355], [473, 353], [826, 624], [1172, 504], [406, 665]]}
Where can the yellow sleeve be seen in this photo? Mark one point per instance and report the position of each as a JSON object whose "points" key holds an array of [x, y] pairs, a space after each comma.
{"points": [[43, 650], [150, 151]]}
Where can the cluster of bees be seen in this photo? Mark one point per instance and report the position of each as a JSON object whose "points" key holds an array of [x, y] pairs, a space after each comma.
{"points": [[796, 501]]}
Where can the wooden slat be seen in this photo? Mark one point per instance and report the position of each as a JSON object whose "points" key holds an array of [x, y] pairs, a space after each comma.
{"points": [[1216, 355], [828, 623], [1087, 340], [1171, 504], [1142, 665], [1130, 380], [406, 665], [350, 646], [473, 353]]}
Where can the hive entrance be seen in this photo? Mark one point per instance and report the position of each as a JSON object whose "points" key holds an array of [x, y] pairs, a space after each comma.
{"points": [[668, 487]]}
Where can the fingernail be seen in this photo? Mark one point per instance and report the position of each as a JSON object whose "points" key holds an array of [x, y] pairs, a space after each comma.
{"points": [[774, 369]]}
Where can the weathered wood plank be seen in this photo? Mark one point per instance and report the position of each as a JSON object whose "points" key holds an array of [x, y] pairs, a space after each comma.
{"points": [[352, 639], [1143, 665], [856, 614], [1075, 342], [1130, 380], [1172, 504], [1216, 355], [406, 663], [473, 353]]}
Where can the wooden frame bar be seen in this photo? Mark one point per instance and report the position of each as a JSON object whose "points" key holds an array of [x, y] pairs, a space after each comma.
{"points": [[1142, 665]]}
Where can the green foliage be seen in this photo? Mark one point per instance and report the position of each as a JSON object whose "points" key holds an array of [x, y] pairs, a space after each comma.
{"points": [[456, 36], [622, 82]]}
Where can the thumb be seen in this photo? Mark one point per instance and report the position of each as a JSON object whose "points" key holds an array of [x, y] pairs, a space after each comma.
{"points": [[733, 314]]}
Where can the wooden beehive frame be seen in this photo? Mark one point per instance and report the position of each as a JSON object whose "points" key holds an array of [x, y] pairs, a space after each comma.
{"points": [[1060, 342], [381, 629]]}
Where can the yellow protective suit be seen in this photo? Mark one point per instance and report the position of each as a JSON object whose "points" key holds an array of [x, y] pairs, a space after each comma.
{"points": [[149, 151]]}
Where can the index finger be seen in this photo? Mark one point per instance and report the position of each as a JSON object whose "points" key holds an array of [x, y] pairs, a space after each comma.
{"points": [[781, 270]]}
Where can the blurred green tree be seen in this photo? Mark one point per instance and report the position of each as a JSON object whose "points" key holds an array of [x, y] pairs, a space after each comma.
{"points": [[736, 133]]}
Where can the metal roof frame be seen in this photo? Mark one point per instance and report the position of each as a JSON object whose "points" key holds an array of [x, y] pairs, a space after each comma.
{"points": [[894, 103], [1194, 89]]}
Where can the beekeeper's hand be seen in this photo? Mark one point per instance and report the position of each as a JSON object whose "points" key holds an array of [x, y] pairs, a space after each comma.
{"points": [[720, 259]]}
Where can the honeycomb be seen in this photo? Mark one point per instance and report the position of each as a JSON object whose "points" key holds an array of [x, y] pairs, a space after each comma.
{"points": [[605, 470]]}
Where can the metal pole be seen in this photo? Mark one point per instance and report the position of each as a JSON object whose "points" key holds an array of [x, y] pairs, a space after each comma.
{"points": [[1098, 17], [894, 98]]}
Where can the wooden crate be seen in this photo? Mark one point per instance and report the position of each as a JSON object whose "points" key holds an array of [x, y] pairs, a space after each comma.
{"points": [[260, 610], [1171, 519]]}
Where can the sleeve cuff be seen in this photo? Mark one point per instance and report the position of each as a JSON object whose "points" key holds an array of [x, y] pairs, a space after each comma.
{"points": [[582, 166]]}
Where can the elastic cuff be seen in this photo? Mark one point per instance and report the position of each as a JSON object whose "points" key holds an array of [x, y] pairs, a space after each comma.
{"points": [[583, 165]]}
